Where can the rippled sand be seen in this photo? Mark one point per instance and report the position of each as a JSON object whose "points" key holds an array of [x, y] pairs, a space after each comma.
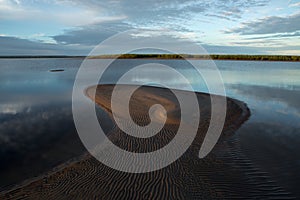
{"points": [[224, 173]]}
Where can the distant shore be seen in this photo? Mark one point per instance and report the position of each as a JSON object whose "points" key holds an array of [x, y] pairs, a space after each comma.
{"points": [[286, 58]]}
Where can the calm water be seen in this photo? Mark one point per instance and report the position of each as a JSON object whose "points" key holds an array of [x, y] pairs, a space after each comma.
{"points": [[36, 119]]}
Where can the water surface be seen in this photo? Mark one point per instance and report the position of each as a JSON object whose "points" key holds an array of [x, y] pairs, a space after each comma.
{"points": [[36, 119]]}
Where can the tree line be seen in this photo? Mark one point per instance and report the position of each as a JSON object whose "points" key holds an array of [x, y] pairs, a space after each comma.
{"points": [[204, 57], [175, 56]]}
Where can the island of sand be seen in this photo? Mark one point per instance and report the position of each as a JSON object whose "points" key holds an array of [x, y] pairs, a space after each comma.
{"points": [[189, 177]]}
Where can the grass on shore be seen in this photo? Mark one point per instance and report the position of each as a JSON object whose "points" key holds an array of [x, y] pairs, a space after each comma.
{"points": [[175, 56], [203, 57]]}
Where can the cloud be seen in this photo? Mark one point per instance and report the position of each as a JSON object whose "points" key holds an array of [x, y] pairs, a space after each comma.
{"points": [[239, 49], [17, 46], [158, 11], [233, 10], [281, 35], [269, 25], [57, 11], [13, 10], [170, 14], [87, 23], [91, 35], [169, 39], [218, 16], [295, 4]]}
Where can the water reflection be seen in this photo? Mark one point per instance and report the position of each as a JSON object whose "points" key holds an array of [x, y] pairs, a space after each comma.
{"points": [[35, 110], [154, 74], [13, 108], [27, 90], [286, 96], [271, 90], [35, 117], [269, 104]]}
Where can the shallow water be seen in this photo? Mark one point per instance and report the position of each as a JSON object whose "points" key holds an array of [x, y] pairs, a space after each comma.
{"points": [[36, 118]]}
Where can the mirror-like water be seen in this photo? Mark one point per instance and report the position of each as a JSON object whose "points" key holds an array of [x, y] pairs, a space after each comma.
{"points": [[36, 117]]}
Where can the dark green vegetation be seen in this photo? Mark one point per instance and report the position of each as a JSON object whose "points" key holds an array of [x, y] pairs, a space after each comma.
{"points": [[203, 57], [177, 56], [256, 57]]}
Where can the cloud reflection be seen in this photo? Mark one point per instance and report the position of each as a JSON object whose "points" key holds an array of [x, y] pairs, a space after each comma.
{"points": [[288, 97]]}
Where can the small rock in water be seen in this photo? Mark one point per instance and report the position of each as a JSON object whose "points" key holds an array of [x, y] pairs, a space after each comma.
{"points": [[56, 70]]}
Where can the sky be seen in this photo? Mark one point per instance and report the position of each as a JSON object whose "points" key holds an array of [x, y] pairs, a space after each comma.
{"points": [[75, 27]]}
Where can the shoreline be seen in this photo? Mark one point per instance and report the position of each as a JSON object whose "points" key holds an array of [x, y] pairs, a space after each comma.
{"points": [[229, 57], [67, 166]]}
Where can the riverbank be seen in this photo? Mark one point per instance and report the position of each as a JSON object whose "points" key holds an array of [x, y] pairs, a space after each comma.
{"points": [[87, 178]]}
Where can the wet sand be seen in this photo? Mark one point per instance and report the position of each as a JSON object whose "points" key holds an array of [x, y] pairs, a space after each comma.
{"points": [[222, 174]]}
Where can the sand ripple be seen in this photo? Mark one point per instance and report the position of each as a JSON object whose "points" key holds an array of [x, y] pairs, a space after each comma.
{"points": [[225, 174]]}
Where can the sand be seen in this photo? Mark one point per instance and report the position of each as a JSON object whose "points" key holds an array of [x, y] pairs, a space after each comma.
{"points": [[187, 178]]}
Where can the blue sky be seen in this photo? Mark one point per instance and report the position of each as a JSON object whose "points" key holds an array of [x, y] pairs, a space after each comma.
{"points": [[74, 27]]}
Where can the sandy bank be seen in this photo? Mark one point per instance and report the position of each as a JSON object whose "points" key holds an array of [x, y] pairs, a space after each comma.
{"points": [[87, 178]]}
